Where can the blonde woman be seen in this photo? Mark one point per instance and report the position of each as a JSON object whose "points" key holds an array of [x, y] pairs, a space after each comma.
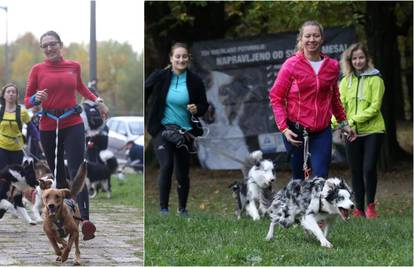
{"points": [[362, 90], [304, 97]]}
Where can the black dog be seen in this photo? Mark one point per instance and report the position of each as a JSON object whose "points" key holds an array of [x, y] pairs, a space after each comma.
{"points": [[14, 180], [100, 174]]}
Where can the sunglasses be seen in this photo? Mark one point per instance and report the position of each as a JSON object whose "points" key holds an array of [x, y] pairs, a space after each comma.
{"points": [[51, 45]]}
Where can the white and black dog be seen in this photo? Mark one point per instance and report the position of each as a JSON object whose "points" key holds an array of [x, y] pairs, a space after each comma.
{"points": [[100, 174], [308, 203], [258, 177], [14, 179]]}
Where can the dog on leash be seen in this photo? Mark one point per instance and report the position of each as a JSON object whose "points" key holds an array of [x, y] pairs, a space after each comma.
{"points": [[258, 177], [14, 180], [311, 203], [62, 217], [100, 174], [32, 198]]}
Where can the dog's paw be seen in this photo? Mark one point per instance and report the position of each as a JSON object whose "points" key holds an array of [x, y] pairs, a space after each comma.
{"points": [[326, 244], [269, 237], [76, 263], [65, 255], [31, 222], [58, 258]]}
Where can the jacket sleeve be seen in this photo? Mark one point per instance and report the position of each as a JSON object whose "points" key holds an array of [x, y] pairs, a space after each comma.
{"points": [[342, 88], [31, 87], [337, 107], [152, 79], [278, 95], [377, 92], [202, 103], [82, 89]]}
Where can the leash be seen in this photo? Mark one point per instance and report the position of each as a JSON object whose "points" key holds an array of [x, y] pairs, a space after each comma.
{"points": [[306, 169]]}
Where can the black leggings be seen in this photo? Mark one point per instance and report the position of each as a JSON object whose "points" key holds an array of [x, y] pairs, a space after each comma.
{"points": [[362, 156], [169, 155], [72, 142]]}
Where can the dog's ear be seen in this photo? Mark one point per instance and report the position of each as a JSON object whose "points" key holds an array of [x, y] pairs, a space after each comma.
{"points": [[232, 184], [344, 185], [65, 192]]}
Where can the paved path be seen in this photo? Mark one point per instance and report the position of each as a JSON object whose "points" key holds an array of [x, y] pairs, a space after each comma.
{"points": [[118, 241]]}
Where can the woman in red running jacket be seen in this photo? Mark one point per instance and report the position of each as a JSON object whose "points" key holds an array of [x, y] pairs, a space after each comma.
{"points": [[53, 84], [304, 97]]}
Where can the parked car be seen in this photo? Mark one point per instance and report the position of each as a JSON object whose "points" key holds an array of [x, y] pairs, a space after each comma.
{"points": [[121, 130]]}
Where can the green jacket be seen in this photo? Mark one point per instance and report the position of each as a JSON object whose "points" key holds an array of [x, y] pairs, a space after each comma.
{"points": [[362, 99]]}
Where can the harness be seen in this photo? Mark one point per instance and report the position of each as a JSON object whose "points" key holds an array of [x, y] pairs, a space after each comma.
{"points": [[57, 115], [60, 222]]}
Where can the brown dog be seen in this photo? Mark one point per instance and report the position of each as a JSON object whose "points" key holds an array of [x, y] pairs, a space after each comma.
{"points": [[62, 217]]}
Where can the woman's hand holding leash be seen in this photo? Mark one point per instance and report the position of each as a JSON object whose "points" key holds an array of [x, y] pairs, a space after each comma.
{"points": [[102, 108], [349, 133], [192, 108], [291, 137]]}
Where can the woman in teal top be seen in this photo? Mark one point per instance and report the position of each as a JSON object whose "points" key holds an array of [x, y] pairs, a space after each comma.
{"points": [[362, 90], [178, 96]]}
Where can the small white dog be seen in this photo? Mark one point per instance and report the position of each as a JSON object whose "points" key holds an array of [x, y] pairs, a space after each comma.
{"points": [[257, 182]]}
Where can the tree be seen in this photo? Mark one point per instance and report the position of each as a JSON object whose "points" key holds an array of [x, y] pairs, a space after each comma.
{"points": [[381, 28], [118, 78]]}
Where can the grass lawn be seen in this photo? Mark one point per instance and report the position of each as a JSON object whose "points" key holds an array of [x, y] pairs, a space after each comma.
{"points": [[126, 192], [213, 236]]}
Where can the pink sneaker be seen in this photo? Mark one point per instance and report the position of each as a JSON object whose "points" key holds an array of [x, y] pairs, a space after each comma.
{"points": [[358, 213], [371, 212]]}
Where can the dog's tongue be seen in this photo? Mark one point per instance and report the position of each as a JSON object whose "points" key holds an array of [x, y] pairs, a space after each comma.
{"points": [[344, 213]]}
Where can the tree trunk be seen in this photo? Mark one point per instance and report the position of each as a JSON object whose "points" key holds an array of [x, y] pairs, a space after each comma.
{"points": [[381, 32]]}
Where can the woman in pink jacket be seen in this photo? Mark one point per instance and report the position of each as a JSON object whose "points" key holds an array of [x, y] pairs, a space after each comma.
{"points": [[304, 97]]}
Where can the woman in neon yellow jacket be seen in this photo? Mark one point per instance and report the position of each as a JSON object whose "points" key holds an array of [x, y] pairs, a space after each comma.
{"points": [[361, 91]]}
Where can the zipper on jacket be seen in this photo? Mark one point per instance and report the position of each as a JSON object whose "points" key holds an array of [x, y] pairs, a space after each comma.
{"points": [[176, 84], [356, 103]]}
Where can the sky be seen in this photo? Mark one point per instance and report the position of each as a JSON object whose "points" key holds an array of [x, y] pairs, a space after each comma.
{"points": [[119, 20]]}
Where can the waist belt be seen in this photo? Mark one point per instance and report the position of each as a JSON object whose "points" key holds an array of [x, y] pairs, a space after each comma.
{"points": [[58, 114]]}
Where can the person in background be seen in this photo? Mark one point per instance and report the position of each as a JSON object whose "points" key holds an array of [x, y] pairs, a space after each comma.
{"points": [[12, 117], [96, 131], [53, 85], [135, 155], [362, 90], [303, 98], [178, 97], [33, 135]]}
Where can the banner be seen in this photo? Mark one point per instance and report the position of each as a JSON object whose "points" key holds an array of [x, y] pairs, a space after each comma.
{"points": [[237, 74]]}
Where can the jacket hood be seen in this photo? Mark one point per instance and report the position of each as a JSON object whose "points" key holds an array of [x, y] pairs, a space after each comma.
{"points": [[370, 72]]}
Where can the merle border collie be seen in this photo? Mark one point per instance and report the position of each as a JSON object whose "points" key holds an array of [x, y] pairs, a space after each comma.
{"points": [[313, 203]]}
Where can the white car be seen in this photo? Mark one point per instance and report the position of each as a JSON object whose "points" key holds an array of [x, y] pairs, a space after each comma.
{"points": [[121, 130]]}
